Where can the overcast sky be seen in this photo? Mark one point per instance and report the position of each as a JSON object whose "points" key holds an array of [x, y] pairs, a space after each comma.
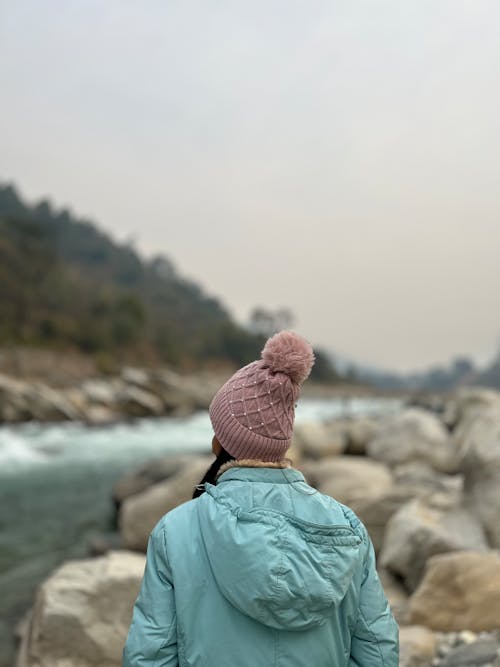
{"points": [[340, 158]]}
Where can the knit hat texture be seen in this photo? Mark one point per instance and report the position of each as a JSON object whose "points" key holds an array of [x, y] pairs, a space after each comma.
{"points": [[252, 414]]}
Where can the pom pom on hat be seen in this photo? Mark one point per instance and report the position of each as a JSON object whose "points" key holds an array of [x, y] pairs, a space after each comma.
{"points": [[287, 352]]}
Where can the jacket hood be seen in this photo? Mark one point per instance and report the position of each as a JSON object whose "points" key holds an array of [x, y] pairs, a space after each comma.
{"points": [[284, 572]]}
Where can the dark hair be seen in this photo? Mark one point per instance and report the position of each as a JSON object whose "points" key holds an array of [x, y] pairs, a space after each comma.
{"points": [[211, 474]]}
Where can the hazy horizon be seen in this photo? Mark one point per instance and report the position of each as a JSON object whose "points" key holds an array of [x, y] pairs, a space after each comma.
{"points": [[336, 158]]}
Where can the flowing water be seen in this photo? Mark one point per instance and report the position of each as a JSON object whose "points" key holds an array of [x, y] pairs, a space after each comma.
{"points": [[56, 482]]}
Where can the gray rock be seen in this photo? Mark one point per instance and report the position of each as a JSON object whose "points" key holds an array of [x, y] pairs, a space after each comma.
{"points": [[46, 404], [136, 376], [138, 402], [150, 473], [419, 530], [317, 440], [481, 652], [478, 443], [469, 401], [82, 613], [411, 480], [425, 480], [100, 392], [139, 513], [375, 512], [349, 478], [414, 435]]}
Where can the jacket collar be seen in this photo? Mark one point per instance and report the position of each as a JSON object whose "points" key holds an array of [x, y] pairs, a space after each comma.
{"points": [[270, 475]]}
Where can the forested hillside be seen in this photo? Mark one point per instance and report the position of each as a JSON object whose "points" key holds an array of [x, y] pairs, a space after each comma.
{"points": [[65, 283]]}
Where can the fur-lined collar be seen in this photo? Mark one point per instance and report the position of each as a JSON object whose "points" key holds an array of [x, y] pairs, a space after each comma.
{"points": [[252, 463]]}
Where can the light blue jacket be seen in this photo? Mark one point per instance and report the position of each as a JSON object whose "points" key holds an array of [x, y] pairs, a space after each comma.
{"points": [[262, 570]]}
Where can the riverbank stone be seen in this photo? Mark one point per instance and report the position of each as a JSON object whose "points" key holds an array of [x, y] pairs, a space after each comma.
{"points": [[82, 613], [139, 513], [414, 435], [459, 591]]}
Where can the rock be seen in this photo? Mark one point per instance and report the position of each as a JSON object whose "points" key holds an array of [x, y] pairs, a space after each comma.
{"points": [[13, 404], [417, 646], [411, 480], [419, 530], [138, 402], [136, 376], [395, 593], [184, 394], [23, 401], [481, 652], [425, 480], [349, 478], [150, 473], [469, 401], [82, 613], [46, 404], [136, 392], [375, 511], [100, 392], [140, 513], [101, 414], [414, 435], [317, 440], [360, 431], [103, 543], [478, 443], [459, 591]]}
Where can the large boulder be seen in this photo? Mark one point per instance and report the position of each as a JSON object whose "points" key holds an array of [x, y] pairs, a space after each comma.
{"points": [[417, 646], [375, 511], [478, 443], [411, 480], [459, 591], [140, 513], [317, 440], [151, 472], [414, 435], [419, 530], [359, 432], [82, 613], [467, 402], [424, 480], [349, 478]]}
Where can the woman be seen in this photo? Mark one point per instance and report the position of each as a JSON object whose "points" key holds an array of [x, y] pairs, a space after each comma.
{"points": [[260, 569]]}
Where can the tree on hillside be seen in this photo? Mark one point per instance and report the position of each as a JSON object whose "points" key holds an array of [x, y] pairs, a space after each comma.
{"points": [[267, 322]]}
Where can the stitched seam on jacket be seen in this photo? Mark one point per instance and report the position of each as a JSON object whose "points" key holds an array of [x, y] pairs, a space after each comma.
{"points": [[374, 638], [174, 618]]}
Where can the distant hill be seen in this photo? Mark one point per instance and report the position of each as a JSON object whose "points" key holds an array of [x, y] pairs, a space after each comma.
{"points": [[66, 283], [459, 372]]}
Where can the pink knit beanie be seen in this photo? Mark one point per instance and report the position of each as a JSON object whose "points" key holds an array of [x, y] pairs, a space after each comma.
{"points": [[253, 413]]}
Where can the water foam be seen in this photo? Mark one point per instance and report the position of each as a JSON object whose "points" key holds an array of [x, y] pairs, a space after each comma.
{"points": [[16, 451]]}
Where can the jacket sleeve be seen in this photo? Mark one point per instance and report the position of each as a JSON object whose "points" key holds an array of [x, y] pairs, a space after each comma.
{"points": [[375, 640], [152, 637]]}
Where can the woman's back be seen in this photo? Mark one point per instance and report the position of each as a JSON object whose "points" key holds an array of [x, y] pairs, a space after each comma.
{"points": [[261, 570]]}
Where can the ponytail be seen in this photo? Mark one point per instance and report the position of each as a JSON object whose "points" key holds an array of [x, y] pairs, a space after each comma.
{"points": [[211, 474]]}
